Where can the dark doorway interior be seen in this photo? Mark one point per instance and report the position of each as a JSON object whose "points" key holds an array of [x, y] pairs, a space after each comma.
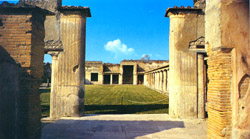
{"points": [[94, 76], [106, 79], [140, 79], [128, 74], [115, 79]]}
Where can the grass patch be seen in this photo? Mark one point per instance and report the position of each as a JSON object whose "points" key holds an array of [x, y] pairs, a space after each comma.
{"points": [[45, 101], [117, 99], [107, 99]]}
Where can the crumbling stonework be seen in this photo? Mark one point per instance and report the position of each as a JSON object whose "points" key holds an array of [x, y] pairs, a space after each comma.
{"points": [[227, 42]]}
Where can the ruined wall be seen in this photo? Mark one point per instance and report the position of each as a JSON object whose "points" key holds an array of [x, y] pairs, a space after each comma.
{"points": [[228, 47], [112, 68], [51, 5], [21, 39], [184, 27]]}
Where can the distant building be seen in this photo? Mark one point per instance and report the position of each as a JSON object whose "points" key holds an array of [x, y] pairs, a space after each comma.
{"points": [[127, 72]]}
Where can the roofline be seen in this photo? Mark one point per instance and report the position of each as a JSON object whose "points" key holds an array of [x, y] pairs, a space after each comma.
{"points": [[181, 9], [85, 10], [5, 7]]}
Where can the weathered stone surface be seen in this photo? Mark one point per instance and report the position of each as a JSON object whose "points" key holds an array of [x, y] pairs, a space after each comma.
{"points": [[68, 91], [152, 126], [186, 25], [51, 5], [227, 43]]}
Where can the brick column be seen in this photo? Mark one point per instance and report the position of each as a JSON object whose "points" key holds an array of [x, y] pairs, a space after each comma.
{"points": [[228, 48]]}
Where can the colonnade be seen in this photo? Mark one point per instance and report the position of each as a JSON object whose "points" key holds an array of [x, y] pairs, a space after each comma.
{"points": [[157, 79]]}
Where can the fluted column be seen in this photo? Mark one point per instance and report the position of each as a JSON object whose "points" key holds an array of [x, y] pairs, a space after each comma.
{"points": [[54, 83]]}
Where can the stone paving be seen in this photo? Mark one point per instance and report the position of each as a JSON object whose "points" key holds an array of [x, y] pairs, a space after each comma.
{"points": [[126, 126]]}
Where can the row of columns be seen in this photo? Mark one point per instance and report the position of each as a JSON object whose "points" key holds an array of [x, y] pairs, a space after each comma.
{"points": [[157, 80]]}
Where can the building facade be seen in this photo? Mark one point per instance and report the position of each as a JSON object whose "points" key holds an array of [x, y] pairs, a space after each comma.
{"points": [[127, 72]]}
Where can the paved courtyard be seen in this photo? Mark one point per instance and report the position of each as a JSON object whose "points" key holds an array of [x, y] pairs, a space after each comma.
{"points": [[126, 126]]}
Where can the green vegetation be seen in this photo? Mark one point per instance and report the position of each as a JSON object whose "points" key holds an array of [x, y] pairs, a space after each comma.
{"points": [[118, 99], [45, 97]]}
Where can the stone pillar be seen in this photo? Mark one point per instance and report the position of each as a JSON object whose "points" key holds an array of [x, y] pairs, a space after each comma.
{"points": [[201, 87], [145, 79], [71, 62], [154, 80], [184, 27], [228, 48], [120, 79], [158, 80], [54, 84], [111, 79], [164, 88], [135, 79], [168, 81]]}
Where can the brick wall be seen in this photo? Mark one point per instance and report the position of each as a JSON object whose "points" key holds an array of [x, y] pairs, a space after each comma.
{"points": [[219, 94], [21, 36]]}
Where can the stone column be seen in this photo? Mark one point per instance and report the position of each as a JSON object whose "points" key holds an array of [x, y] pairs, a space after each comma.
{"points": [[145, 80], [154, 80], [184, 28], [164, 88], [120, 79], [201, 87], [71, 63], [111, 79], [135, 79], [54, 77], [161, 76], [158, 80]]}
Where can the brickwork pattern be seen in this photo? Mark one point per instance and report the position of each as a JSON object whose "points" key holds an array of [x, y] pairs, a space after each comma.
{"points": [[21, 36], [219, 94]]}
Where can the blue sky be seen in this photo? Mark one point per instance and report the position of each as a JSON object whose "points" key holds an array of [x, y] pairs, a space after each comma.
{"points": [[126, 29]]}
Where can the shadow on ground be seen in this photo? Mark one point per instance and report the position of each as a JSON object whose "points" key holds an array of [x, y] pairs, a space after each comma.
{"points": [[107, 129], [124, 109]]}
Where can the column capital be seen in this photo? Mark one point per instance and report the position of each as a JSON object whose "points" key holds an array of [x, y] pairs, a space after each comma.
{"points": [[54, 53]]}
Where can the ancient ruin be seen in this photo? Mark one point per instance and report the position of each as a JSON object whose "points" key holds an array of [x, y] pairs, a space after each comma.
{"points": [[25, 29], [219, 80], [187, 66], [207, 75], [127, 72]]}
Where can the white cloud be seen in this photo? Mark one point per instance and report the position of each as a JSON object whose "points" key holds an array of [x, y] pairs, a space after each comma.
{"points": [[117, 47], [150, 55]]}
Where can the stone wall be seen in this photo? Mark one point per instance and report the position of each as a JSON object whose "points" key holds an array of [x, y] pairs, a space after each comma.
{"points": [[21, 37], [227, 42], [94, 67]]}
